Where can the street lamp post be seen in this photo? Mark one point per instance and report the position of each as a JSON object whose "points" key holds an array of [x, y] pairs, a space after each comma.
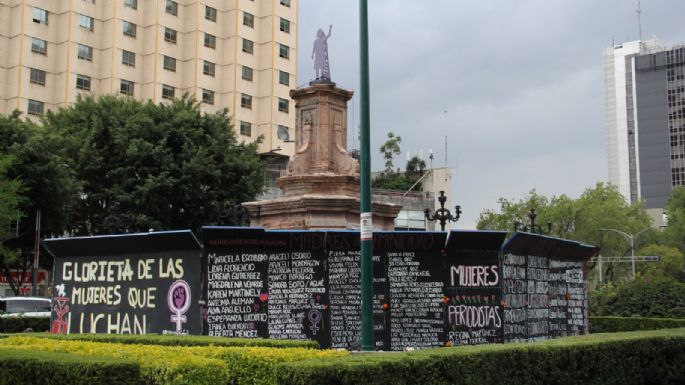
{"points": [[631, 239], [442, 214], [532, 227]]}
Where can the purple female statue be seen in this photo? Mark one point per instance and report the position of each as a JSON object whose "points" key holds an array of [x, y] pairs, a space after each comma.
{"points": [[320, 55]]}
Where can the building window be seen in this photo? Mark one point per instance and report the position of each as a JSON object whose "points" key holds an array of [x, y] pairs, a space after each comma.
{"points": [[37, 76], [284, 78], [39, 46], [129, 29], [168, 91], [208, 97], [208, 68], [170, 35], [131, 4], [169, 63], [248, 46], [172, 7], [35, 107], [83, 82], [85, 52], [245, 101], [283, 133], [126, 87], [40, 16], [247, 73], [248, 19], [285, 3], [283, 105], [210, 40], [86, 22], [283, 51], [128, 58], [210, 13], [245, 128], [285, 25]]}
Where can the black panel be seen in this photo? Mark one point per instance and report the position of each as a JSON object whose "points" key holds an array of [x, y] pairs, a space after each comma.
{"points": [[129, 284]]}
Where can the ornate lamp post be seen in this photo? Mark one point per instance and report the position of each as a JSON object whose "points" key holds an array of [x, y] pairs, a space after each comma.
{"points": [[442, 214], [532, 227]]}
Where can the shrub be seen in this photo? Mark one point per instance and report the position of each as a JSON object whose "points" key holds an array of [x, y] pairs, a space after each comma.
{"points": [[661, 297], [653, 357], [174, 340], [171, 365], [21, 324], [36, 367], [626, 324]]}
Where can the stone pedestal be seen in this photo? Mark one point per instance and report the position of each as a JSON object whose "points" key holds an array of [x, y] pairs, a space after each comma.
{"points": [[321, 188]]}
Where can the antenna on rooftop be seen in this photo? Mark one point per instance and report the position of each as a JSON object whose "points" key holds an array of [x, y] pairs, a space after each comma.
{"points": [[639, 19]]}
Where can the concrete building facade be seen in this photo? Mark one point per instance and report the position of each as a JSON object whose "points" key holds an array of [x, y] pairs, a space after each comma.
{"points": [[235, 54], [645, 104]]}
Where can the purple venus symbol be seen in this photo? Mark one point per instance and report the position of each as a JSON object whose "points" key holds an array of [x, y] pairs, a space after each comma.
{"points": [[178, 300]]}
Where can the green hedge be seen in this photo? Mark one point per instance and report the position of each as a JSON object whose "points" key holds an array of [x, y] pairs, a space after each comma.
{"points": [[651, 357], [21, 367], [174, 340], [21, 324], [627, 324], [176, 365]]}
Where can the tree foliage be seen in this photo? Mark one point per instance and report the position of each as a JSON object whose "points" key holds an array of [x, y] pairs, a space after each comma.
{"points": [[9, 209], [657, 296], [583, 219], [671, 262], [674, 233], [148, 166], [47, 185], [402, 181], [389, 149]]}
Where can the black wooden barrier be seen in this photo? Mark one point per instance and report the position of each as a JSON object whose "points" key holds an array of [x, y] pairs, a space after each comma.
{"points": [[430, 289], [127, 284]]}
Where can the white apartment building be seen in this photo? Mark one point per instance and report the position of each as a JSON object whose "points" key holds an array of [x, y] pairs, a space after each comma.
{"points": [[235, 54]]}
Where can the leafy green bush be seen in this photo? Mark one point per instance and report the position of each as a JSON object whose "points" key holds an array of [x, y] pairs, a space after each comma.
{"points": [[174, 340], [180, 365], [21, 324], [627, 324], [660, 297], [648, 357], [36, 367]]}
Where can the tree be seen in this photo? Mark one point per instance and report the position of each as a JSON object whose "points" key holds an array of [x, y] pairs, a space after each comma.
{"points": [[582, 219], [402, 181], [415, 166], [9, 214], [675, 212], [389, 149], [643, 297], [148, 166], [671, 262], [47, 185]]}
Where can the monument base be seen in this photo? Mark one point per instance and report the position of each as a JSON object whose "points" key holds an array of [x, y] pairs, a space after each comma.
{"points": [[319, 202]]}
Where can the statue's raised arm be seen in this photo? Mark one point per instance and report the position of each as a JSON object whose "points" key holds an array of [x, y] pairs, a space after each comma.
{"points": [[320, 55]]}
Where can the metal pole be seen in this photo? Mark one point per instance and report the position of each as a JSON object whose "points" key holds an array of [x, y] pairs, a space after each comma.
{"points": [[599, 270], [36, 255], [366, 226]]}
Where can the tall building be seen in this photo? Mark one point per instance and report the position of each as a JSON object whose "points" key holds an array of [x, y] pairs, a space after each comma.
{"points": [[645, 104], [235, 54]]}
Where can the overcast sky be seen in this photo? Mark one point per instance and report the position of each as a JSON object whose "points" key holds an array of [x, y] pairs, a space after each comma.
{"points": [[516, 86]]}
